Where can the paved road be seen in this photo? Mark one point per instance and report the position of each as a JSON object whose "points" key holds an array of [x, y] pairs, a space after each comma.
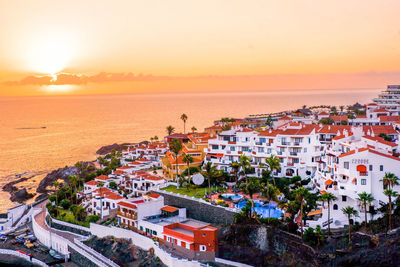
{"points": [[40, 219]]}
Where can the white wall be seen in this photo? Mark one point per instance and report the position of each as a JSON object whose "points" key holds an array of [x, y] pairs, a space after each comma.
{"points": [[142, 242]]}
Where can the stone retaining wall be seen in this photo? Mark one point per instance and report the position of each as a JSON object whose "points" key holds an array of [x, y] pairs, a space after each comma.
{"points": [[198, 210]]}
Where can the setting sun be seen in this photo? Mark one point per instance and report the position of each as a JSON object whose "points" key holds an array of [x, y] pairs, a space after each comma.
{"points": [[49, 55]]}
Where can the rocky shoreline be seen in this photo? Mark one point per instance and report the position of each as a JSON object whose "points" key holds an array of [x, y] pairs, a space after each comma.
{"points": [[22, 195]]}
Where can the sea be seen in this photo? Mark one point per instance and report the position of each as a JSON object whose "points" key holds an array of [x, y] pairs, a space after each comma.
{"points": [[40, 134]]}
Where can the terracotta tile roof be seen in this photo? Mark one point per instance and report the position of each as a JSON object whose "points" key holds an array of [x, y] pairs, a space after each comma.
{"points": [[154, 195], [153, 178], [169, 209], [369, 150], [92, 182], [103, 178], [102, 191], [379, 140], [389, 118], [334, 129], [379, 129], [329, 182], [371, 104], [114, 196], [339, 118], [124, 168], [323, 113], [381, 110], [127, 205]]}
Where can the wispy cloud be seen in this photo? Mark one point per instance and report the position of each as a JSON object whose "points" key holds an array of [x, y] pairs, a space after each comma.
{"points": [[77, 79]]}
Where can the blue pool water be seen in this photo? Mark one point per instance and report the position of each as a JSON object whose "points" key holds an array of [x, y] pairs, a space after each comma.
{"points": [[231, 196], [262, 209]]}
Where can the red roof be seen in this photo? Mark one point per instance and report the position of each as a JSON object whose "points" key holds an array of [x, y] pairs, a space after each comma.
{"points": [[334, 129], [127, 205], [102, 177], [372, 151], [371, 104], [380, 140], [124, 168], [339, 118], [169, 209], [380, 110], [120, 172], [379, 129], [389, 118], [93, 182], [323, 113], [154, 195], [114, 196]]}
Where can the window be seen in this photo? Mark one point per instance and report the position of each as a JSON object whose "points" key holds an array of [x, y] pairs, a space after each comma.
{"points": [[305, 150], [232, 148], [269, 150], [281, 160], [168, 239], [214, 146], [260, 149], [204, 235], [346, 165], [364, 181], [245, 148], [203, 248], [381, 168], [141, 228], [154, 233], [335, 206], [344, 198], [262, 140], [370, 168]]}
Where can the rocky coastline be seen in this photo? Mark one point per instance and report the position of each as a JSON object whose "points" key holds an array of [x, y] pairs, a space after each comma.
{"points": [[20, 195]]}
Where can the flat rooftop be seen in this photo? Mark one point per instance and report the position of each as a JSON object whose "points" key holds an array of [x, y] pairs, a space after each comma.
{"points": [[194, 223]]}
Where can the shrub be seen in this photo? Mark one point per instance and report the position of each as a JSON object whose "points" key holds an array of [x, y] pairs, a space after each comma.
{"points": [[93, 218], [65, 204], [52, 198]]}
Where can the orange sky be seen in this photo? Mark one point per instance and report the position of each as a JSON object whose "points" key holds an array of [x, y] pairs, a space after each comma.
{"points": [[247, 45]]}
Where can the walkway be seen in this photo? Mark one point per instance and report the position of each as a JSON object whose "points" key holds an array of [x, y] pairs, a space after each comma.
{"points": [[40, 220]]}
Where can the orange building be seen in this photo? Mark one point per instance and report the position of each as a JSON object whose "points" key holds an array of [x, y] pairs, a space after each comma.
{"points": [[193, 235]]}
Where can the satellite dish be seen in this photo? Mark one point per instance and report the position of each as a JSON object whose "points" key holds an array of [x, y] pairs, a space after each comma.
{"points": [[198, 179]]}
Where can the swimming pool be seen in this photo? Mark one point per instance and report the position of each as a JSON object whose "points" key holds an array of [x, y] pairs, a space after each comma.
{"points": [[262, 209], [231, 196]]}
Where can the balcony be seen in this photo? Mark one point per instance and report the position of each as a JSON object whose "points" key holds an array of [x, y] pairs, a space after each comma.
{"points": [[127, 215], [293, 153], [363, 173], [290, 164], [280, 153], [286, 143]]}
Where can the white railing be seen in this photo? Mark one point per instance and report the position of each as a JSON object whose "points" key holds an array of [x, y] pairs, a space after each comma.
{"points": [[98, 255], [23, 256]]}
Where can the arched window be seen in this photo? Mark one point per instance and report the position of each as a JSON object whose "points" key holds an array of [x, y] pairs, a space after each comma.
{"points": [[335, 206]]}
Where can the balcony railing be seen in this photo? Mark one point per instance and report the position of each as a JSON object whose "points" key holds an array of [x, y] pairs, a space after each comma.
{"points": [[363, 173], [127, 215], [293, 153]]}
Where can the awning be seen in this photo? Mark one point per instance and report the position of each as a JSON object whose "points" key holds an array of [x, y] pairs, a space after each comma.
{"points": [[219, 155], [314, 212], [323, 192], [169, 209], [329, 182]]}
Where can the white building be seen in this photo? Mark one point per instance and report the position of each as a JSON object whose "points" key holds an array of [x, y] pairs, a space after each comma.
{"points": [[389, 99]]}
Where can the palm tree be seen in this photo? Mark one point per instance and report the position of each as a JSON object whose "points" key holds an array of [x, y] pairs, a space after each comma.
{"points": [[188, 159], [366, 199], [155, 138], [184, 118], [175, 146], [245, 163], [301, 194], [274, 164], [349, 211], [235, 167], [251, 188], [328, 197], [390, 193], [210, 172], [194, 129], [271, 193], [170, 129], [341, 108], [151, 139], [390, 180]]}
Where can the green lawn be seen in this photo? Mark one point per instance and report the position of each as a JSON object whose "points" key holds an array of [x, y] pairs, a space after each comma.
{"points": [[193, 192], [68, 216]]}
